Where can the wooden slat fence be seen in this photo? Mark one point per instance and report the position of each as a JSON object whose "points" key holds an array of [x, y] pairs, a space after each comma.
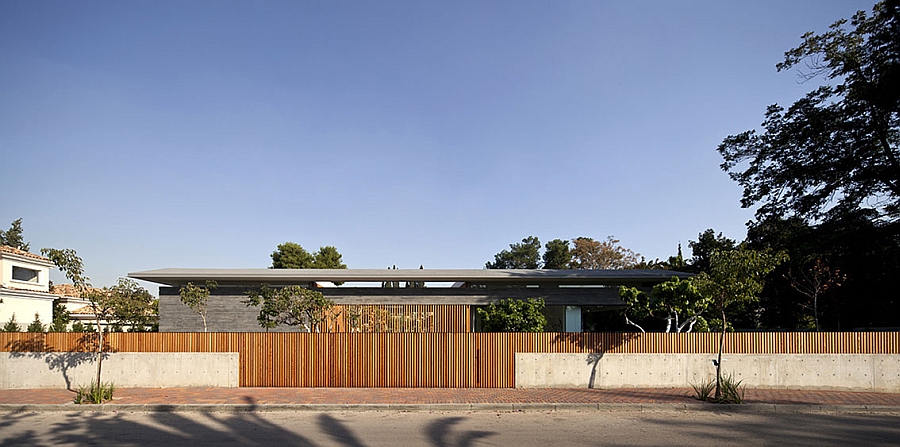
{"points": [[485, 360]]}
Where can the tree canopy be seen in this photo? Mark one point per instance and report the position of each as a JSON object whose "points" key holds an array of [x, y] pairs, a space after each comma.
{"points": [[836, 149], [291, 255], [13, 236], [509, 315], [525, 255], [591, 254], [290, 306]]}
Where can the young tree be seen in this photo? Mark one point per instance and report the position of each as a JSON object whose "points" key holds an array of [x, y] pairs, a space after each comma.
{"points": [[68, 262], [36, 325], [13, 236], [61, 317], [509, 315], [197, 298], [12, 325], [525, 255], [290, 306], [588, 253], [836, 149], [677, 302], [815, 281], [734, 277]]}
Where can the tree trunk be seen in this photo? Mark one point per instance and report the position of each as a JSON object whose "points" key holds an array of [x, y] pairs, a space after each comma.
{"points": [[719, 358], [99, 347]]}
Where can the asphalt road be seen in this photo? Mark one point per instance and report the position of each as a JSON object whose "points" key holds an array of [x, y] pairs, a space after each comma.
{"points": [[445, 429]]}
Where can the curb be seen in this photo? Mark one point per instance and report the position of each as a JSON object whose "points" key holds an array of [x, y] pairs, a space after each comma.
{"points": [[492, 407]]}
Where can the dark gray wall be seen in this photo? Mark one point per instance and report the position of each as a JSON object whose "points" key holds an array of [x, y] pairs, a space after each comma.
{"points": [[227, 312]]}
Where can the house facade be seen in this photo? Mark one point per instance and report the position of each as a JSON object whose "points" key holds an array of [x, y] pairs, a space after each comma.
{"points": [[25, 287], [375, 300]]}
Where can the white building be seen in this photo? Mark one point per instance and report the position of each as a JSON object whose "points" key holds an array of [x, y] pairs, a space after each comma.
{"points": [[25, 287]]}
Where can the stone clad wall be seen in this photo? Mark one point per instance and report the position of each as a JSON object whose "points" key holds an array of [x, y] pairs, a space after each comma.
{"points": [[864, 372]]}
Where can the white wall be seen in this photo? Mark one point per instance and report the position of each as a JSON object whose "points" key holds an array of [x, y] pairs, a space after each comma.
{"points": [[9, 260], [125, 369], [24, 305], [864, 372]]}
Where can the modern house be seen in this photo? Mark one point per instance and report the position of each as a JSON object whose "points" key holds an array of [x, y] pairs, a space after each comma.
{"points": [[25, 287], [375, 300]]}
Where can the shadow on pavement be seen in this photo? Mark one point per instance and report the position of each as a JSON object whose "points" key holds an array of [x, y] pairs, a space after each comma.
{"points": [[790, 429]]}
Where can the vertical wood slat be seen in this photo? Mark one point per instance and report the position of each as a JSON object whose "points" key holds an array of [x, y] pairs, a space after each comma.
{"points": [[435, 359]]}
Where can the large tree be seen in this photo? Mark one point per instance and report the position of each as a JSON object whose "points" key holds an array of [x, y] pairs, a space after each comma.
{"points": [[836, 149], [13, 236], [525, 255], [291, 255], [591, 254], [557, 254]]}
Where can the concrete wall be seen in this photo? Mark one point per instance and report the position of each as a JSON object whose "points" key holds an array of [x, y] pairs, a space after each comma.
{"points": [[126, 369], [869, 372]]}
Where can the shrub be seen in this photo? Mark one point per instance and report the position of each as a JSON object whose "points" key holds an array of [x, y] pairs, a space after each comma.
{"points": [[731, 391], [12, 325]]}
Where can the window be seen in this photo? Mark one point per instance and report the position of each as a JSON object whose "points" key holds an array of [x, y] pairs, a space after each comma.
{"points": [[24, 274]]}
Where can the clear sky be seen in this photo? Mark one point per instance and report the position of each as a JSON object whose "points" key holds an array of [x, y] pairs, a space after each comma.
{"points": [[152, 134]]}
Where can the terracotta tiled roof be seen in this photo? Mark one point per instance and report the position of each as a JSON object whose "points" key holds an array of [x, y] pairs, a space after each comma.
{"points": [[67, 290], [16, 251], [86, 310]]}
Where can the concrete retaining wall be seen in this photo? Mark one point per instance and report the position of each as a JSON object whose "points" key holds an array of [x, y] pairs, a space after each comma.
{"points": [[864, 372], [126, 369]]}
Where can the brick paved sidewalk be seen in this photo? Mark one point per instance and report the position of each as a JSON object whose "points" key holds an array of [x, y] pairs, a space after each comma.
{"points": [[263, 396]]}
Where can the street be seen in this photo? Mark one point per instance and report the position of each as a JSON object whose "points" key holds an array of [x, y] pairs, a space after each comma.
{"points": [[446, 429]]}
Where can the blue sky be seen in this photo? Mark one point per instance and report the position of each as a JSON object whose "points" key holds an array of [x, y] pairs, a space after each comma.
{"points": [[151, 134]]}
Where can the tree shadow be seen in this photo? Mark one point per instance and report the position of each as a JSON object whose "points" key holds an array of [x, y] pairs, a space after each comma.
{"points": [[595, 344], [440, 432], [36, 347]]}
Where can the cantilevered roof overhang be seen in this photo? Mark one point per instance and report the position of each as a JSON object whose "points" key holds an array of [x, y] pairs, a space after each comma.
{"points": [[280, 277]]}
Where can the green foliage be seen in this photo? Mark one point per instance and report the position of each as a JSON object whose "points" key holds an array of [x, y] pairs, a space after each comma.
{"points": [[328, 258], [525, 255], [735, 278], [13, 236], [732, 391], [12, 325], [836, 149], [509, 315], [291, 306], [557, 254], [677, 302], [588, 253], [197, 298], [707, 243], [80, 327], [290, 255], [94, 394], [61, 317], [36, 325], [68, 262], [131, 306]]}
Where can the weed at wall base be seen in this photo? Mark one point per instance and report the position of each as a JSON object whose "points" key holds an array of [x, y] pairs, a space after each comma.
{"points": [[94, 394]]}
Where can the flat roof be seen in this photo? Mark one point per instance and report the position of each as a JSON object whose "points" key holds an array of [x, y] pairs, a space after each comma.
{"points": [[179, 277]]}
